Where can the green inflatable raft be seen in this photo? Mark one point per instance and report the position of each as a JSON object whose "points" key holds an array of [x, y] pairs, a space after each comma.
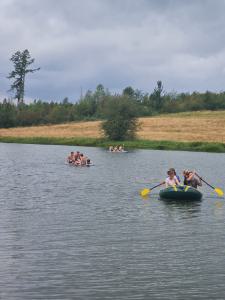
{"points": [[180, 193]]}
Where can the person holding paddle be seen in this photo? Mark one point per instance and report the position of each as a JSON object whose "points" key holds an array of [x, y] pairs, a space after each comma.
{"points": [[172, 169], [172, 179], [191, 179]]}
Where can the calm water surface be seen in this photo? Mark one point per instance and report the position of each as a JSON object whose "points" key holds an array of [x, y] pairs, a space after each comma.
{"points": [[84, 233]]}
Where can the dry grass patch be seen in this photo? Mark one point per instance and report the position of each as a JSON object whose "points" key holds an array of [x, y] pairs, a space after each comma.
{"points": [[184, 128], [74, 129]]}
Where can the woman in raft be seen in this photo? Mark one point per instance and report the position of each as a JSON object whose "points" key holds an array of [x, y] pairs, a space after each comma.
{"points": [[172, 179]]}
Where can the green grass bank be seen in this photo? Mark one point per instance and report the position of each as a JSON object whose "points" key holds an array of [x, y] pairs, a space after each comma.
{"points": [[135, 144]]}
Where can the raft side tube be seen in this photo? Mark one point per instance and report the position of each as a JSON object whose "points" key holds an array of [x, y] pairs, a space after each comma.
{"points": [[180, 193]]}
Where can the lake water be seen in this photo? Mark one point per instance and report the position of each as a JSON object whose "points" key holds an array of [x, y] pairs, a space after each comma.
{"points": [[85, 233]]}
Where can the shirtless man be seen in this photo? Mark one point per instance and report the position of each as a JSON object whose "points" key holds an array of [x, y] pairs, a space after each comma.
{"points": [[83, 159], [77, 155], [71, 158]]}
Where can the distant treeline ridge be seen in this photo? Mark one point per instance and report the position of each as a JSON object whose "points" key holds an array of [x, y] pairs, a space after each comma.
{"points": [[92, 106]]}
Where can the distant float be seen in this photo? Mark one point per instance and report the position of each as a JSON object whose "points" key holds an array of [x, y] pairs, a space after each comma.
{"points": [[117, 149]]}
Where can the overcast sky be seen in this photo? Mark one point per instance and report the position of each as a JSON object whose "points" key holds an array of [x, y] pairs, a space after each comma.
{"points": [[80, 43]]}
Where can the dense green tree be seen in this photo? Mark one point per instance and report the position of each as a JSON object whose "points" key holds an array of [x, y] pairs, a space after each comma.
{"points": [[121, 119], [100, 90], [7, 114], [21, 62], [135, 95]]}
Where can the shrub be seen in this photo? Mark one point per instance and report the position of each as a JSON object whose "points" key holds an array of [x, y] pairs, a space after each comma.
{"points": [[121, 119]]}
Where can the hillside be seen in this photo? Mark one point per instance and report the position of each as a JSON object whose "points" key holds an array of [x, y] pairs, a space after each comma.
{"points": [[205, 126]]}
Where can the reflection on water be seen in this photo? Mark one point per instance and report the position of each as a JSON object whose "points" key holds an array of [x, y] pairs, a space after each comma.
{"points": [[185, 209], [85, 233]]}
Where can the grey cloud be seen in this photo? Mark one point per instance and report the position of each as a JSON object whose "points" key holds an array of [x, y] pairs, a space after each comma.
{"points": [[117, 43]]}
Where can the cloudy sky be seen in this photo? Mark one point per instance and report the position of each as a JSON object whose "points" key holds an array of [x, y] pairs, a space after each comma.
{"points": [[80, 43]]}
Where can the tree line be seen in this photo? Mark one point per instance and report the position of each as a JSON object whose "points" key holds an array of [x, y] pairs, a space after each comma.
{"points": [[95, 105]]}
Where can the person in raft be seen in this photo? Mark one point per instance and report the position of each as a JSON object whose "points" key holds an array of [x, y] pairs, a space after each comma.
{"points": [[191, 179], [171, 180], [172, 169]]}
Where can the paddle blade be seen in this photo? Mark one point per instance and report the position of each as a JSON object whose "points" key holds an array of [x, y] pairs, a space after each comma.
{"points": [[219, 192], [145, 192]]}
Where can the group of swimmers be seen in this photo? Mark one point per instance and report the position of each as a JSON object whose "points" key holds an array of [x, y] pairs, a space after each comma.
{"points": [[119, 148], [190, 178], [78, 159]]}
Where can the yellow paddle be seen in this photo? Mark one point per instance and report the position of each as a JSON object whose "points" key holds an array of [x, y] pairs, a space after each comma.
{"points": [[145, 192], [219, 192]]}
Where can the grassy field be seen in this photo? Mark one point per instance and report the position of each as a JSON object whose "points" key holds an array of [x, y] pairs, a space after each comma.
{"points": [[195, 129]]}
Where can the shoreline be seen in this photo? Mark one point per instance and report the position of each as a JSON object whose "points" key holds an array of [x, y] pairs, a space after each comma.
{"points": [[135, 144]]}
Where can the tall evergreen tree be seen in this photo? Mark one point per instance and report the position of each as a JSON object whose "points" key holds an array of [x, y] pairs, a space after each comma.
{"points": [[21, 62], [156, 98]]}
